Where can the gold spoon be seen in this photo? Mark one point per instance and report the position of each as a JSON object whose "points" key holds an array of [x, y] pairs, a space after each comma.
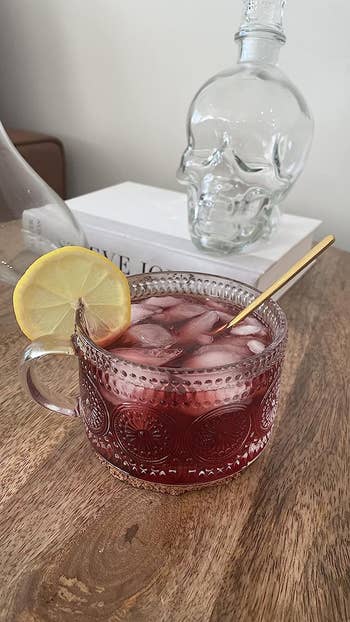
{"points": [[287, 276]]}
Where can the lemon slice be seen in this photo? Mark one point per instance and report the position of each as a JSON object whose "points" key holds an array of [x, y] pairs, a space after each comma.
{"points": [[46, 297]]}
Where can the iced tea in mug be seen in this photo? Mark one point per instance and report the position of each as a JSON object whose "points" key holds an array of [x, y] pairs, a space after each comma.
{"points": [[169, 405]]}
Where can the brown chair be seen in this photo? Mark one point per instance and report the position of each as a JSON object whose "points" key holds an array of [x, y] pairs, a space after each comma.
{"points": [[45, 154]]}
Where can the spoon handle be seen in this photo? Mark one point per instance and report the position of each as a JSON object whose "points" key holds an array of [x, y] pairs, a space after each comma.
{"points": [[292, 272]]}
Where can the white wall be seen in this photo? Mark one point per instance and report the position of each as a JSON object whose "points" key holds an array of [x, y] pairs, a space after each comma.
{"points": [[113, 79]]}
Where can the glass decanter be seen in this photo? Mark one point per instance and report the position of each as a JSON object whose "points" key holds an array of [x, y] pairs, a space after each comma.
{"points": [[33, 218], [249, 133]]}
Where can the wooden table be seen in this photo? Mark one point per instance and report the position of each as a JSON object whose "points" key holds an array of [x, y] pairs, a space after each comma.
{"points": [[271, 545]]}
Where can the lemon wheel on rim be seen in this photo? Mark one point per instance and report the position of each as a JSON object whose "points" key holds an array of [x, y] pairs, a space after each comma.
{"points": [[47, 295]]}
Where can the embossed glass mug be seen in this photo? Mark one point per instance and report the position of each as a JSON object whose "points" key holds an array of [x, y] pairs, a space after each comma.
{"points": [[171, 429]]}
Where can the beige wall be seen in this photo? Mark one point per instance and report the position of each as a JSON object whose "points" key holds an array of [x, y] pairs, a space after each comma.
{"points": [[113, 79]]}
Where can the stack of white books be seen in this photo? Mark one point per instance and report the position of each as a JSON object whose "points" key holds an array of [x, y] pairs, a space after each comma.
{"points": [[144, 229]]}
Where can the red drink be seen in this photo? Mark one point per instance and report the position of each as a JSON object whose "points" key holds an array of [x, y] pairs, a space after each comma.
{"points": [[173, 406], [176, 332]]}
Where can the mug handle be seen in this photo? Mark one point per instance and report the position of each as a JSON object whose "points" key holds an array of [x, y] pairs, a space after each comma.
{"points": [[36, 351]]}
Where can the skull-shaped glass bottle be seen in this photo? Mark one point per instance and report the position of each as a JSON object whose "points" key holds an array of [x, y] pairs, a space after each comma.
{"points": [[249, 133]]}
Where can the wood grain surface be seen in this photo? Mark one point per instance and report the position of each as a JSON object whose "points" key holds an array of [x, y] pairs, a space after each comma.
{"points": [[75, 544]]}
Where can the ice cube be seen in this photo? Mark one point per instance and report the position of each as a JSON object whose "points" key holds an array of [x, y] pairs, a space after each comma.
{"points": [[148, 356], [253, 321], [245, 329], [140, 312], [236, 342], [256, 346], [225, 317], [214, 304], [205, 340], [198, 326], [147, 335], [221, 308], [212, 356], [182, 311], [218, 304], [162, 301]]}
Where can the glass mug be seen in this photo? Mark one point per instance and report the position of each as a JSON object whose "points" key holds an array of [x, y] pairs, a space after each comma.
{"points": [[171, 429]]}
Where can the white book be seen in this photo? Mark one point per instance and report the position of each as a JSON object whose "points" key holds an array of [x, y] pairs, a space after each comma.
{"points": [[144, 229]]}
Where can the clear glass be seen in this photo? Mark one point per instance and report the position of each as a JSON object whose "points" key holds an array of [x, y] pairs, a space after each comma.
{"points": [[32, 215], [249, 132], [172, 429]]}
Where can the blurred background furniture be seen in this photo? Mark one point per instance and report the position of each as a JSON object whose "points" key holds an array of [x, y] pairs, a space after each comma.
{"points": [[45, 154]]}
